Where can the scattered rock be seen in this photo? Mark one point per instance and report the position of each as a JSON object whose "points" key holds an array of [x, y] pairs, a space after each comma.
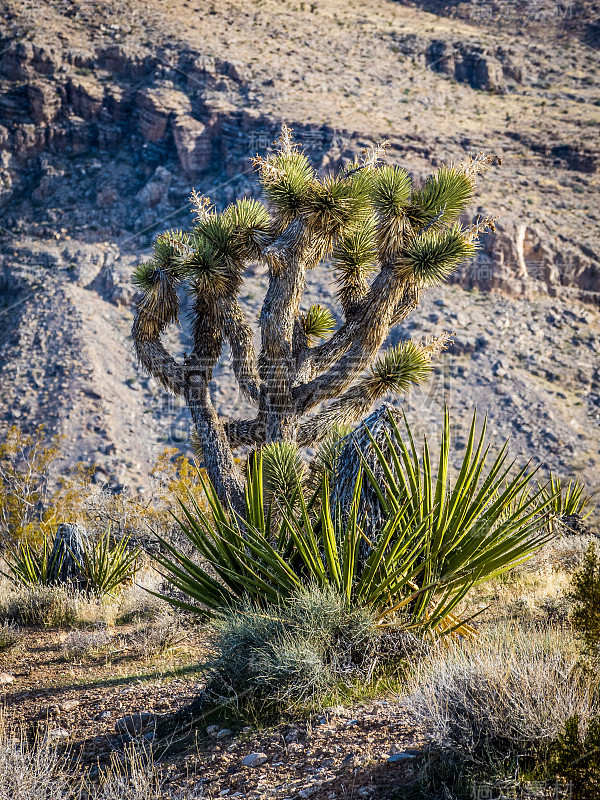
{"points": [[396, 758], [58, 734], [6, 679], [254, 760]]}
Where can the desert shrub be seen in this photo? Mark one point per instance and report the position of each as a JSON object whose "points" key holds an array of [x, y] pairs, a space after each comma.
{"points": [[163, 637], [80, 644], [300, 650], [11, 636], [42, 605], [575, 755], [34, 500], [500, 700], [25, 463], [437, 539], [30, 773], [37, 771], [585, 594]]}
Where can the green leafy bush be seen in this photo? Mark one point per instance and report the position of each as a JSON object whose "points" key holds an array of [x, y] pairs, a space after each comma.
{"points": [[575, 755], [585, 594], [436, 542]]}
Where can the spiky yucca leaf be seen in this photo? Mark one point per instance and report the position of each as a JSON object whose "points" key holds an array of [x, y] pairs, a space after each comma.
{"points": [[335, 206], [251, 224], [444, 196], [284, 473], [206, 268], [168, 247], [145, 275], [434, 255], [219, 231], [566, 500], [325, 460], [390, 191], [106, 568], [355, 254], [29, 565], [287, 180], [397, 370], [318, 322], [354, 259]]}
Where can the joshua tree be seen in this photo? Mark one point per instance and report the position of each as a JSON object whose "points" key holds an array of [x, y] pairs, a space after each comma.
{"points": [[384, 240]]}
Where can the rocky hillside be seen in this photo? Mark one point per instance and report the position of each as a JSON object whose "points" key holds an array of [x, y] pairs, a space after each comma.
{"points": [[110, 113]]}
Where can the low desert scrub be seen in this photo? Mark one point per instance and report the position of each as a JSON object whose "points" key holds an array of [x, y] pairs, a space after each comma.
{"points": [[165, 636], [30, 772], [585, 595], [57, 606], [298, 652], [42, 605], [11, 636], [79, 644], [39, 772], [499, 700]]}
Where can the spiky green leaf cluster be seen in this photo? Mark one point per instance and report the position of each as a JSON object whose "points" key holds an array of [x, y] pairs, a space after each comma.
{"points": [[145, 275], [318, 323], [287, 179], [284, 473], [335, 206], [397, 370], [169, 248], [445, 196], [251, 225], [355, 254], [390, 192], [206, 268], [434, 255]]}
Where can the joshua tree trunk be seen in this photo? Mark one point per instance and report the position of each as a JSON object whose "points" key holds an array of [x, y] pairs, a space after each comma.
{"points": [[386, 241]]}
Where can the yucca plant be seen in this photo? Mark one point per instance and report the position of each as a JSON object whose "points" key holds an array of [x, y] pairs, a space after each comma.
{"points": [[104, 567], [487, 520], [387, 241], [107, 567], [436, 541], [32, 565], [568, 503]]}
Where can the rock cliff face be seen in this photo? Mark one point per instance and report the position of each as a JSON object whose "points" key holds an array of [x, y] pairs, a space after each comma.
{"points": [[106, 123]]}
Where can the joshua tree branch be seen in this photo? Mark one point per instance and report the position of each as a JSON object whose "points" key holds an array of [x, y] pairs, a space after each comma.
{"points": [[359, 341], [279, 314], [154, 312]]}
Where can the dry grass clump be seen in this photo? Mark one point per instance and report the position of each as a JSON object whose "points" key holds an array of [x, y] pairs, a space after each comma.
{"points": [[57, 606], [30, 773], [11, 637], [163, 637], [80, 644], [39, 771], [298, 652], [41, 605], [507, 694]]}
